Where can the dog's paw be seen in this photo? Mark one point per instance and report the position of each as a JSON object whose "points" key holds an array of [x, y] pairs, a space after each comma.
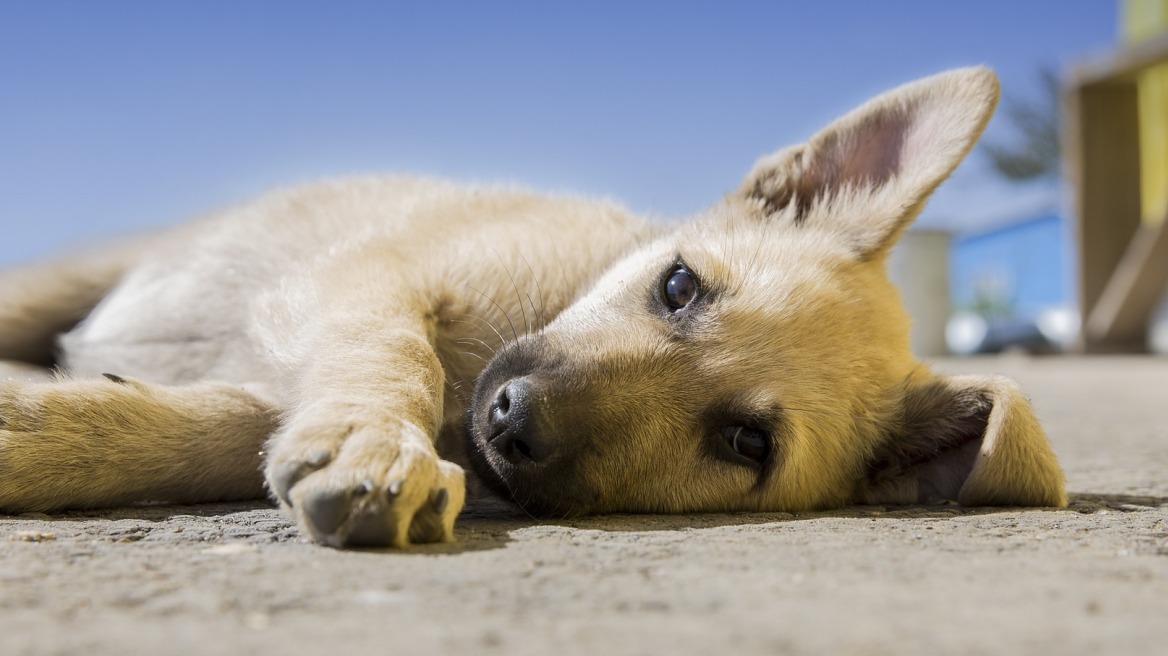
{"points": [[365, 483]]}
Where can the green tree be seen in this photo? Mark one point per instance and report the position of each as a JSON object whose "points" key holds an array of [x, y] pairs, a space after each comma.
{"points": [[1035, 154]]}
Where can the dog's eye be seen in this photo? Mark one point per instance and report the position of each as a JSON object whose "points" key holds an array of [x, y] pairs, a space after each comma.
{"points": [[680, 289], [748, 442]]}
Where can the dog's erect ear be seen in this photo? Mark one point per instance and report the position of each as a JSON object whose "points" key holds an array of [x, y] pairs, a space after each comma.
{"points": [[867, 175], [970, 439]]}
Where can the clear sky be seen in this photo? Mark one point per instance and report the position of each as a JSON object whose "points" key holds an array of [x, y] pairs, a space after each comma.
{"points": [[118, 114]]}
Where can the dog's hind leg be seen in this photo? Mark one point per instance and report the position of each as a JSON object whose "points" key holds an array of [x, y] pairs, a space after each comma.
{"points": [[41, 300], [103, 442]]}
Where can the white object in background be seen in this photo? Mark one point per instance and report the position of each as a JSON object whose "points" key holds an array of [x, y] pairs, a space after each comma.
{"points": [[1059, 325], [966, 332], [919, 266], [1158, 329]]}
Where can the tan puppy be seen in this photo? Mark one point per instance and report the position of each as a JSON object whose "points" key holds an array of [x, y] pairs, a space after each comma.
{"points": [[754, 358]]}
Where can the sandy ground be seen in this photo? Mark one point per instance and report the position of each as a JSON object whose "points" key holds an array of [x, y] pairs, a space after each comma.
{"points": [[221, 579]]}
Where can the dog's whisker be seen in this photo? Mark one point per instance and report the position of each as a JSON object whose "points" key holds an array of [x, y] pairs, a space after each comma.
{"points": [[504, 312], [535, 314], [475, 355], [476, 340], [515, 287], [521, 505], [490, 325], [538, 291], [465, 340], [567, 514], [463, 395]]}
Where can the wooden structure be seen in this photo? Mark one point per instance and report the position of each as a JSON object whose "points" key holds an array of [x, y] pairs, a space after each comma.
{"points": [[1123, 254]]}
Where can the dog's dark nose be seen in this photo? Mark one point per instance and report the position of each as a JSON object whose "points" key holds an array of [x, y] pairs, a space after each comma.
{"points": [[517, 431]]}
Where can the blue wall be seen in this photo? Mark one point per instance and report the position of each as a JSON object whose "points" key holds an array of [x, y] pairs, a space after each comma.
{"points": [[1026, 266]]}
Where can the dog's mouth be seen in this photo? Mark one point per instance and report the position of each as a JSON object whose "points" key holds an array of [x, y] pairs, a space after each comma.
{"points": [[518, 447], [540, 490]]}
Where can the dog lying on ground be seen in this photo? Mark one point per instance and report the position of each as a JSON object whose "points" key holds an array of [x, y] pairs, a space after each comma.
{"points": [[754, 358]]}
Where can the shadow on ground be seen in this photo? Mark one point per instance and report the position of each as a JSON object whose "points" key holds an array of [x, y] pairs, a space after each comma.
{"points": [[486, 524], [489, 526]]}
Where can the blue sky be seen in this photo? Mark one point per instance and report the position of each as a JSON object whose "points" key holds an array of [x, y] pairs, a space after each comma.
{"points": [[116, 115]]}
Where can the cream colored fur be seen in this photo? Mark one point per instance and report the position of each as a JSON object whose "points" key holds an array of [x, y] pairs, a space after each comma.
{"points": [[339, 329]]}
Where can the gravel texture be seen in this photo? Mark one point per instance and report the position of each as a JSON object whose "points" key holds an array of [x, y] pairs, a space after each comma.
{"points": [[238, 578]]}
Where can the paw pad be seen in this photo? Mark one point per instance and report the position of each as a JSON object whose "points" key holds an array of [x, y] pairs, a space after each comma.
{"points": [[326, 509]]}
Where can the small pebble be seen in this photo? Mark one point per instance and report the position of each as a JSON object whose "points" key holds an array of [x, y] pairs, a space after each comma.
{"points": [[33, 536]]}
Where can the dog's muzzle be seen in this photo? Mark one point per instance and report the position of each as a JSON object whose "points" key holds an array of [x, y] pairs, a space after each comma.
{"points": [[524, 439], [515, 421]]}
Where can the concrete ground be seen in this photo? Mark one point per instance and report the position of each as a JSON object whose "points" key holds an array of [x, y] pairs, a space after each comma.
{"points": [[225, 579]]}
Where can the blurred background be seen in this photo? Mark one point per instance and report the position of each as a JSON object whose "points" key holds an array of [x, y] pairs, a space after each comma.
{"points": [[120, 114]]}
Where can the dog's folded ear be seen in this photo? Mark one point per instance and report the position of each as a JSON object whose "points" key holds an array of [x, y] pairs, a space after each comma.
{"points": [[970, 439], [867, 175]]}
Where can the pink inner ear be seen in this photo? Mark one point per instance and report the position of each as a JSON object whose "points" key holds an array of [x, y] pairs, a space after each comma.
{"points": [[912, 138], [877, 156], [867, 155], [865, 176]]}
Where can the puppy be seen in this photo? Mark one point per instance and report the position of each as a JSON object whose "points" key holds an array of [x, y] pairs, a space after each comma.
{"points": [[330, 336]]}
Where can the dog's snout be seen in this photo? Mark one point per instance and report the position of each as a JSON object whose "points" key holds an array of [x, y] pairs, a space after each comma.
{"points": [[510, 410], [501, 410], [516, 429]]}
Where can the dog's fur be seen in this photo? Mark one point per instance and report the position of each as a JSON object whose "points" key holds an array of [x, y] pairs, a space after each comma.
{"points": [[330, 335]]}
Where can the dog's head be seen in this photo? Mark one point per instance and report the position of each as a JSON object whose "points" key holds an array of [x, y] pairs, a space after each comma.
{"points": [[757, 358]]}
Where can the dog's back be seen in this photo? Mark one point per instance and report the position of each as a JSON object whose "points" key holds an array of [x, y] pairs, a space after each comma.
{"points": [[192, 303]]}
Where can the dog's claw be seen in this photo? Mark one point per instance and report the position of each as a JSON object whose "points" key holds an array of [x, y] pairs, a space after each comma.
{"points": [[283, 477], [326, 509], [371, 488], [441, 498], [288, 474], [116, 378]]}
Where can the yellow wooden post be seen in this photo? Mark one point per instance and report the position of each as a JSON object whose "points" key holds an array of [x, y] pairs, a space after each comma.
{"points": [[1143, 20], [1116, 138]]}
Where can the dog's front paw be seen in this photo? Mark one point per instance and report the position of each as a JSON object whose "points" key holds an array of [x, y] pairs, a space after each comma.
{"points": [[365, 483]]}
